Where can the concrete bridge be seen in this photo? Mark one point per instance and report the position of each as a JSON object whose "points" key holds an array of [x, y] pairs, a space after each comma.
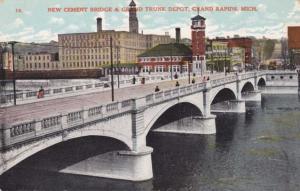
{"points": [[128, 120]]}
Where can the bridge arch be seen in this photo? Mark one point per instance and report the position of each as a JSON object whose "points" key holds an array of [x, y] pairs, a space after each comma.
{"points": [[261, 82], [34, 148], [248, 86], [171, 108], [222, 95]]}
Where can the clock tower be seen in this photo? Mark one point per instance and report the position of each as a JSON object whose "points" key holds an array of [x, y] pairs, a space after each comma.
{"points": [[198, 44]]}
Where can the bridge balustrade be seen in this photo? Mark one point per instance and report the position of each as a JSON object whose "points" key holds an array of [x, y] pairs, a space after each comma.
{"points": [[58, 90], [79, 87], [21, 129], [175, 91], [88, 86], [149, 98], [19, 95], [167, 94], [112, 107], [75, 116], [126, 103], [46, 92], [159, 95], [98, 85], [95, 111], [51, 122], [182, 90], [31, 94], [68, 89]]}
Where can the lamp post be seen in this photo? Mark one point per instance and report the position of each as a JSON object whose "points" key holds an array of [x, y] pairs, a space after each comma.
{"points": [[118, 66], [111, 71], [171, 61], [12, 43], [189, 72]]}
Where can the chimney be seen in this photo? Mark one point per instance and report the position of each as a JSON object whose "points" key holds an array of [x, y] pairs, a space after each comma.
{"points": [[177, 35], [99, 24]]}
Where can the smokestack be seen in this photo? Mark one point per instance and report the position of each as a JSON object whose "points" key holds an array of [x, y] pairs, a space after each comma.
{"points": [[99, 24], [177, 35]]}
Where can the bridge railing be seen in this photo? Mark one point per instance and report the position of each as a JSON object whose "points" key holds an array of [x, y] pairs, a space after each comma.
{"points": [[87, 88], [221, 81], [29, 130]]}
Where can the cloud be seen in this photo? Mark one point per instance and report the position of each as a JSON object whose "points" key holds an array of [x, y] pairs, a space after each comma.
{"points": [[72, 28], [29, 34], [262, 7], [57, 21], [147, 17], [18, 23]]}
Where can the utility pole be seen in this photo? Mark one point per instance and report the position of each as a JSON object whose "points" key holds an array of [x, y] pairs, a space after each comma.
{"points": [[112, 71], [171, 61], [12, 43], [189, 71], [118, 65]]}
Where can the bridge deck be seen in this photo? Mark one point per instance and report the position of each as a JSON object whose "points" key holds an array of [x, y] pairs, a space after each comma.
{"points": [[68, 104]]}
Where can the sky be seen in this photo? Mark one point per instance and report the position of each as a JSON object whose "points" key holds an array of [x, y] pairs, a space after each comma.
{"points": [[30, 21]]}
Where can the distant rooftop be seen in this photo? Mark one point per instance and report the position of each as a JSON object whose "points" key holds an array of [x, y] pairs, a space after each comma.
{"points": [[198, 17], [174, 49]]}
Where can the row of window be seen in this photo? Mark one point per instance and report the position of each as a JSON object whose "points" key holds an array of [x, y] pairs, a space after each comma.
{"points": [[39, 65], [160, 59], [37, 57], [83, 57], [85, 64], [161, 68], [83, 50], [88, 36]]}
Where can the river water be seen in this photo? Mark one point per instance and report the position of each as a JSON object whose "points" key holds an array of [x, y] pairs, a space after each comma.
{"points": [[256, 151]]}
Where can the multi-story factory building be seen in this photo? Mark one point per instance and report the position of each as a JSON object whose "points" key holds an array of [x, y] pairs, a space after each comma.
{"points": [[92, 50]]}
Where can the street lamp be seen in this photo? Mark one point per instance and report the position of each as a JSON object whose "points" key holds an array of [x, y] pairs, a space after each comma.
{"points": [[171, 61], [12, 43], [111, 71], [118, 66]]}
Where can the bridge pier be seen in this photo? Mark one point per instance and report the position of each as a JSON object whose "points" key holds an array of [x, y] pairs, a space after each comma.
{"points": [[200, 125], [205, 125], [252, 96], [238, 106], [123, 165], [232, 106]]}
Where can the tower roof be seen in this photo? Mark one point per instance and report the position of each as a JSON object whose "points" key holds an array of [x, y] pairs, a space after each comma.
{"points": [[132, 3], [198, 17]]}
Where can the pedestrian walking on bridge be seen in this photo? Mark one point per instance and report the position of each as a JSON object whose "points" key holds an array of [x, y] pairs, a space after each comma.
{"points": [[157, 89]]}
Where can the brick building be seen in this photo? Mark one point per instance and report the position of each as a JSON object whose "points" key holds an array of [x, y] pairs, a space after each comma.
{"points": [[294, 45], [245, 43], [41, 61], [92, 50], [164, 57]]}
